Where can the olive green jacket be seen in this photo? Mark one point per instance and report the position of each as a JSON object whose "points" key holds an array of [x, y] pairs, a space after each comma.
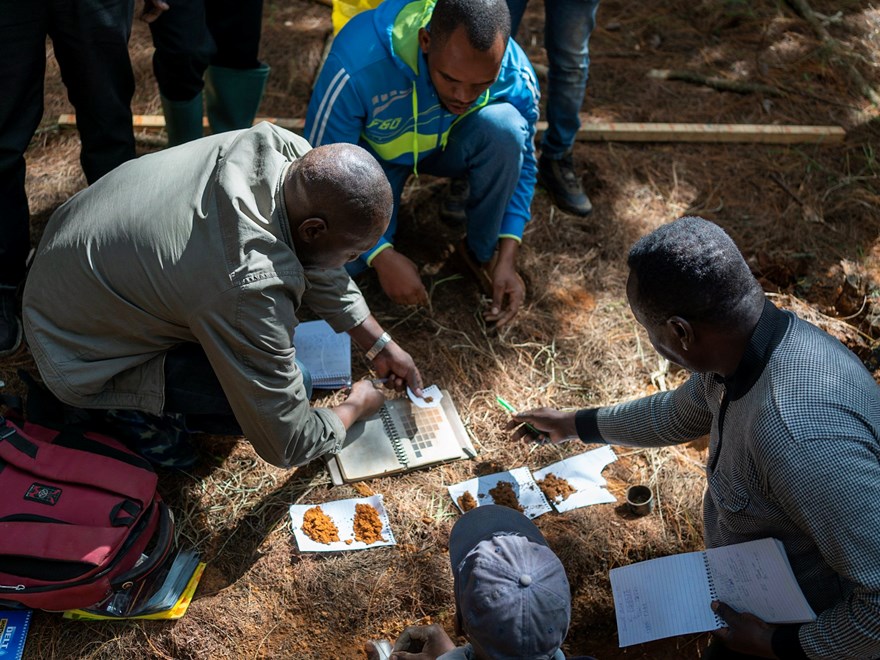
{"points": [[190, 244]]}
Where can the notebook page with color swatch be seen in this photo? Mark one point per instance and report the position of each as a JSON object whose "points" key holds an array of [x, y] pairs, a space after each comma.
{"points": [[399, 438]]}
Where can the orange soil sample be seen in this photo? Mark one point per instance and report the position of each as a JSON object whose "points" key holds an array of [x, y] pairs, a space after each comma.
{"points": [[319, 527], [504, 495], [554, 488], [367, 524], [467, 502]]}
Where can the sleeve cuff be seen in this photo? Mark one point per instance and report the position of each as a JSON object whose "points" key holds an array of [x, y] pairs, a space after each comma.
{"points": [[353, 315], [786, 643], [371, 254], [513, 226], [586, 422]]}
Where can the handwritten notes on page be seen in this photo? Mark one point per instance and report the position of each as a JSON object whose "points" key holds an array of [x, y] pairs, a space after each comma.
{"points": [[672, 595]]}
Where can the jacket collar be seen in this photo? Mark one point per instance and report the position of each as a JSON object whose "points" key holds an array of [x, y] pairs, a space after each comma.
{"points": [[765, 338]]}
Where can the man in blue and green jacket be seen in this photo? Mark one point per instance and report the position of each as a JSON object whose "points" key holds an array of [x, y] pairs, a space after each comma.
{"points": [[438, 87]]}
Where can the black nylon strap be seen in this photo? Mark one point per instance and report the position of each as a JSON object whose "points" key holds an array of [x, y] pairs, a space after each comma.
{"points": [[125, 513], [21, 443]]}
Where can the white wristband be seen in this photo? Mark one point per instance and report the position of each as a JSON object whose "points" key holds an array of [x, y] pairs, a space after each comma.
{"points": [[380, 344]]}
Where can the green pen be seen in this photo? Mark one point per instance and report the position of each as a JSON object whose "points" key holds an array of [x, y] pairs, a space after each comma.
{"points": [[509, 408]]}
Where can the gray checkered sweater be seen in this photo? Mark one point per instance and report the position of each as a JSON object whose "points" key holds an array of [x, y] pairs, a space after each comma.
{"points": [[794, 454]]}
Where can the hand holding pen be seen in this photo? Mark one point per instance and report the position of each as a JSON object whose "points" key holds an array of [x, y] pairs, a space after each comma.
{"points": [[541, 424]]}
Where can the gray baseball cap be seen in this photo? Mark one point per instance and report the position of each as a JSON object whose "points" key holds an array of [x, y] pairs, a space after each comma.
{"points": [[512, 597]]}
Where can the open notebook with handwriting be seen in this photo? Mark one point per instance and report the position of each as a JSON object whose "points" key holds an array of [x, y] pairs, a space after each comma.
{"points": [[672, 595]]}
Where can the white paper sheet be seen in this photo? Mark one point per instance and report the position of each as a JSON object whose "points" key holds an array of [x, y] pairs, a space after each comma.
{"points": [[431, 392], [342, 512], [530, 497], [583, 473]]}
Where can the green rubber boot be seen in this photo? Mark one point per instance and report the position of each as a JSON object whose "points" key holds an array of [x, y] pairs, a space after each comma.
{"points": [[183, 119], [232, 96]]}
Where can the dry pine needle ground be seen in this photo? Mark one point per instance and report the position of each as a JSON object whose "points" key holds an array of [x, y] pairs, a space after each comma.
{"points": [[806, 216]]}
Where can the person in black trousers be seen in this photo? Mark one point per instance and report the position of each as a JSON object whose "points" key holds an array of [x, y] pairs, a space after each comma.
{"points": [[207, 54], [90, 40]]}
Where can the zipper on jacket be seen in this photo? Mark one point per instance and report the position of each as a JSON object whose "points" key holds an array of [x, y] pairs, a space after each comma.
{"points": [[415, 110]]}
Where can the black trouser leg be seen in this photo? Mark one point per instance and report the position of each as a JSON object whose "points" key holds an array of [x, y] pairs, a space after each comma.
{"points": [[90, 38], [23, 27], [184, 47], [236, 26], [192, 388]]}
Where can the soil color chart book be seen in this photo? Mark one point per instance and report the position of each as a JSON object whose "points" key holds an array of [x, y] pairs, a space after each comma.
{"points": [[399, 438], [672, 595]]}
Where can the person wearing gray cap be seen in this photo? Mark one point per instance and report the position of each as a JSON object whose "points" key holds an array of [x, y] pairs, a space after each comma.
{"points": [[512, 598]]}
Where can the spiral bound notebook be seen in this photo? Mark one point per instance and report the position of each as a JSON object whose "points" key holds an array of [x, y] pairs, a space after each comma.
{"points": [[399, 438], [325, 353], [671, 596]]}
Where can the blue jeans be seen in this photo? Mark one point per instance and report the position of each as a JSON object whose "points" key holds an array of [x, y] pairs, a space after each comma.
{"points": [[192, 389], [487, 148], [567, 28]]}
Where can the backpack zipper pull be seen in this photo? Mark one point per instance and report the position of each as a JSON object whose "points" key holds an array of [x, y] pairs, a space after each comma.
{"points": [[16, 587]]}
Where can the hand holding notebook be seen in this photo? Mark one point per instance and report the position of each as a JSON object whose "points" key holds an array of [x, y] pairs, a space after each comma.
{"points": [[399, 438], [672, 595]]}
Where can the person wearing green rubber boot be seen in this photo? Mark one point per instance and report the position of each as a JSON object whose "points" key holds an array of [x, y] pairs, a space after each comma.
{"points": [[206, 55]]}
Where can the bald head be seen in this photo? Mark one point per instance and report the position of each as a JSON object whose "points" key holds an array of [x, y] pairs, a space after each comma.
{"points": [[344, 188], [343, 180]]}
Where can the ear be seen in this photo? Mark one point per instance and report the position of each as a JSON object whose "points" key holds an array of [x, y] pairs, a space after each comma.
{"points": [[311, 229], [424, 40], [682, 330]]}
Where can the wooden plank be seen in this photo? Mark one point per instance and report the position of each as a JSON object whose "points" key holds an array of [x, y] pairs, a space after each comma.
{"points": [[618, 131], [748, 133]]}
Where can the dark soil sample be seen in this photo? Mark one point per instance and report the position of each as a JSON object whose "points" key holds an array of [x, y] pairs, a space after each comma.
{"points": [[467, 502], [504, 495], [554, 488]]}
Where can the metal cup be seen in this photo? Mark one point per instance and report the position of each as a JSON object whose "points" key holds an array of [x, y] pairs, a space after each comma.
{"points": [[640, 500]]}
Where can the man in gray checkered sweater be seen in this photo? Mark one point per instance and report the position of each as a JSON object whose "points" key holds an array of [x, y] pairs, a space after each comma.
{"points": [[793, 419]]}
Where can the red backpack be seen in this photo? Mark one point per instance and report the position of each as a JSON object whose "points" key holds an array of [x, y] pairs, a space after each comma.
{"points": [[80, 517]]}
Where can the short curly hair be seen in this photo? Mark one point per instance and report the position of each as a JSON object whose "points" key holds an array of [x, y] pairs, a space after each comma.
{"points": [[693, 269], [483, 20]]}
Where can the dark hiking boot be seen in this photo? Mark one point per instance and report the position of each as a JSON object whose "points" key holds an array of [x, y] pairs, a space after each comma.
{"points": [[10, 326], [162, 440], [564, 185], [453, 208]]}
